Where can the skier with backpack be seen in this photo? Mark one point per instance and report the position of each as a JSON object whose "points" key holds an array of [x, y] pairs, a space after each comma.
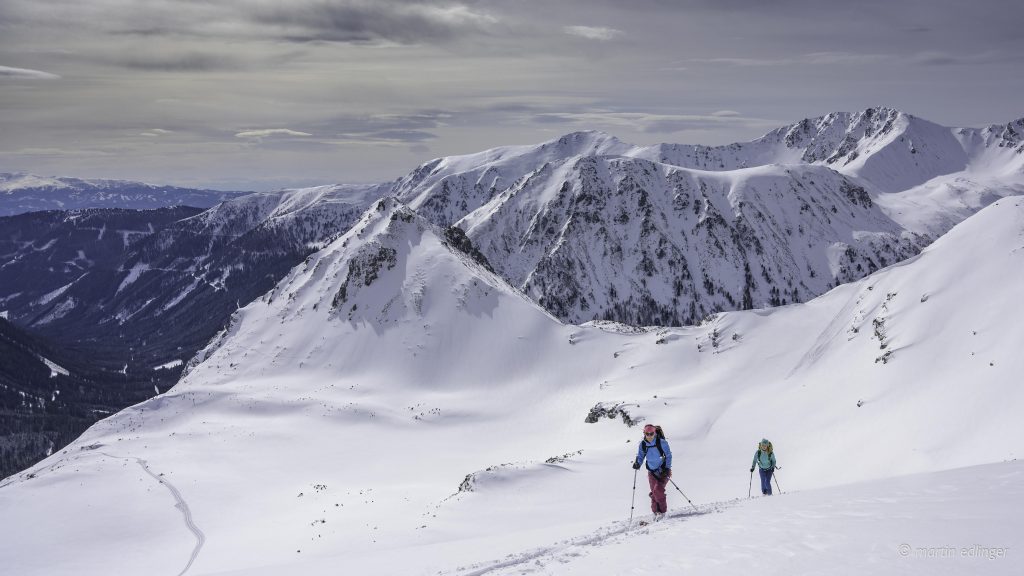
{"points": [[654, 449], [764, 461]]}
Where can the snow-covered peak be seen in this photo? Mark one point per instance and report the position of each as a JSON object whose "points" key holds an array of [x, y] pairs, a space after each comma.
{"points": [[892, 150], [476, 178], [883, 146], [582, 143], [285, 207], [561, 218], [588, 143], [996, 150], [393, 274], [640, 242]]}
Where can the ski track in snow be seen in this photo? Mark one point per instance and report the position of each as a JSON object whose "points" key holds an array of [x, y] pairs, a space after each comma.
{"points": [[180, 505], [566, 550]]}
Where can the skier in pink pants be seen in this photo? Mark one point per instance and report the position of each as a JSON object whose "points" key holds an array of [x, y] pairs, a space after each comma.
{"points": [[655, 450]]}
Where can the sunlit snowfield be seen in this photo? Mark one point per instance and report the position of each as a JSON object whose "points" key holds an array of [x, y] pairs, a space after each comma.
{"points": [[430, 419]]}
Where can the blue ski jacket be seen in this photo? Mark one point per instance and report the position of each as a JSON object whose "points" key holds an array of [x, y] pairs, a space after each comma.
{"points": [[653, 455]]}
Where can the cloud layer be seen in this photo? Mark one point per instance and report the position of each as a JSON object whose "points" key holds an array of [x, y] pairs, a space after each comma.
{"points": [[358, 90], [593, 32], [8, 72]]}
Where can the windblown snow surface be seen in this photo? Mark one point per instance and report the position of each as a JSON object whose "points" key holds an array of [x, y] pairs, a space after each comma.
{"points": [[394, 408]]}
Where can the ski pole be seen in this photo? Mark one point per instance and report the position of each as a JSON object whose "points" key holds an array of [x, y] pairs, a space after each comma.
{"points": [[632, 504], [774, 477], [681, 492], [750, 485]]}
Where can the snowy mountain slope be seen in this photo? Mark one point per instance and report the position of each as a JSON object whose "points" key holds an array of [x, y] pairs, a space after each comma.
{"points": [[995, 170], [954, 522], [44, 253], [645, 243], [924, 176], [891, 150], [311, 215], [20, 193], [139, 292], [933, 208], [522, 205], [175, 288], [393, 406], [997, 149], [884, 148], [446, 189], [68, 257]]}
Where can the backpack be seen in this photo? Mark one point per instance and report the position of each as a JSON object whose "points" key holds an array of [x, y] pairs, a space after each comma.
{"points": [[659, 435]]}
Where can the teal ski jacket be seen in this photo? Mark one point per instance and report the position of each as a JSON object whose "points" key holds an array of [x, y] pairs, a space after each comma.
{"points": [[763, 459]]}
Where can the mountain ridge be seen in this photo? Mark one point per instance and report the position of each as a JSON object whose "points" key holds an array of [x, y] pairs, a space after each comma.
{"points": [[863, 156], [21, 192]]}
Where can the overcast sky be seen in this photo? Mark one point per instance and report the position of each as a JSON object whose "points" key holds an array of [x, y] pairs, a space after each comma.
{"points": [[260, 94]]}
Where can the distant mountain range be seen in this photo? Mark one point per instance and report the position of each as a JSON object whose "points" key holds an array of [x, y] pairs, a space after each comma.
{"points": [[20, 193]]}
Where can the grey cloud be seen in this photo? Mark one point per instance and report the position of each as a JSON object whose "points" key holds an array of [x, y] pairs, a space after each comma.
{"points": [[946, 59], [147, 31], [650, 123], [552, 119], [157, 57], [511, 107], [411, 128], [347, 21], [670, 125], [600, 33], [190, 62], [817, 59], [291, 145], [380, 123], [745, 61], [935, 59], [366, 22], [25, 73], [411, 136], [269, 132], [829, 58], [382, 79]]}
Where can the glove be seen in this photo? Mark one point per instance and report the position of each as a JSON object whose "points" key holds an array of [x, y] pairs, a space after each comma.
{"points": [[636, 465], [751, 469], [666, 472]]}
